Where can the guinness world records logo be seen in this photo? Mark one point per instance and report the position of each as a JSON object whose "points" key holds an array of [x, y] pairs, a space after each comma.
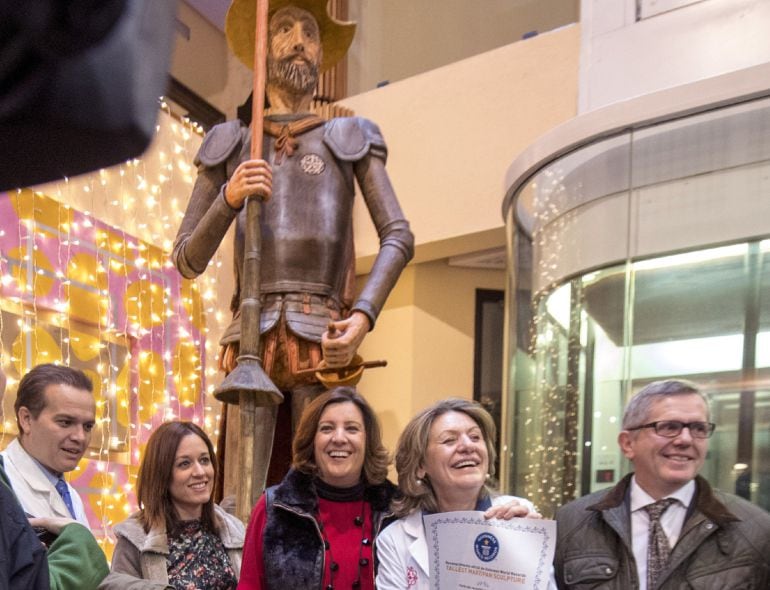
{"points": [[486, 546]]}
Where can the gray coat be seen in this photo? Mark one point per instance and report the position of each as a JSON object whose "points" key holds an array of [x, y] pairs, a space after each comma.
{"points": [[139, 561], [725, 543]]}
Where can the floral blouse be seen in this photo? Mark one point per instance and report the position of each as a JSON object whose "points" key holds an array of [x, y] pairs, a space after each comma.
{"points": [[197, 560]]}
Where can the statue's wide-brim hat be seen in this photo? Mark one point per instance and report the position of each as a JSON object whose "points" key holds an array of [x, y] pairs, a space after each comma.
{"points": [[240, 24]]}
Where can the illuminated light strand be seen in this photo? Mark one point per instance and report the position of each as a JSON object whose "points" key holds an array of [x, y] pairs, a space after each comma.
{"points": [[105, 197]]}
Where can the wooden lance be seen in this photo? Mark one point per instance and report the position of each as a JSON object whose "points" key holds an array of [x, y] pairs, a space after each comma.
{"points": [[248, 385]]}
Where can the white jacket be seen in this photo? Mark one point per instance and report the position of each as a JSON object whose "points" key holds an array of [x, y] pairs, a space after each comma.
{"points": [[402, 551], [35, 492]]}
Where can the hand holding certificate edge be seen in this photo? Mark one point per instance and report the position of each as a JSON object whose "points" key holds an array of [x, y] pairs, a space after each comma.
{"points": [[509, 510]]}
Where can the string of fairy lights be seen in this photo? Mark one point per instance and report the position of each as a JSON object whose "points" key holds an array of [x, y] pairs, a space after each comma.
{"points": [[549, 413], [86, 279]]}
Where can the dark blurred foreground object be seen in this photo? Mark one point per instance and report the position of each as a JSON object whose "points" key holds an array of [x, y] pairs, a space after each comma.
{"points": [[79, 84]]}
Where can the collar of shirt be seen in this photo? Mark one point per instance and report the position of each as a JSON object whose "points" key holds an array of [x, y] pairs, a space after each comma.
{"points": [[640, 498], [50, 475]]}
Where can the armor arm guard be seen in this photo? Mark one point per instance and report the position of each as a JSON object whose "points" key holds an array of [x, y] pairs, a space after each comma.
{"points": [[396, 239], [208, 216]]}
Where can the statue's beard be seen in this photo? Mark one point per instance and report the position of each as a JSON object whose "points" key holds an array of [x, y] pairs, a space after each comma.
{"points": [[298, 78]]}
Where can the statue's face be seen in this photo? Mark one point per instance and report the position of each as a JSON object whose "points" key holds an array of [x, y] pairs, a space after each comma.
{"points": [[294, 50]]}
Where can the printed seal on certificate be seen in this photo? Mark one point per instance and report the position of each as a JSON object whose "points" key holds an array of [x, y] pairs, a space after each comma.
{"points": [[486, 546]]}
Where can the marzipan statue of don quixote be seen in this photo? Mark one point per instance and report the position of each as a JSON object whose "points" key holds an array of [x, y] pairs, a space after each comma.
{"points": [[287, 182]]}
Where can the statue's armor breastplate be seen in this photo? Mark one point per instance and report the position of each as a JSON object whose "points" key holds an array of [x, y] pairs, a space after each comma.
{"points": [[306, 224]]}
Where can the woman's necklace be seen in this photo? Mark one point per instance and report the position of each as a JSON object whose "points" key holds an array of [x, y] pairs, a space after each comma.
{"points": [[361, 522]]}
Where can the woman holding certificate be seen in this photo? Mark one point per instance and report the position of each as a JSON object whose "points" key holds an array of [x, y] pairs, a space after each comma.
{"points": [[444, 457]]}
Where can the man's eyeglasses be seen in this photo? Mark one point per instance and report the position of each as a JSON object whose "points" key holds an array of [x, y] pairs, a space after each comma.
{"points": [[673, 428]]}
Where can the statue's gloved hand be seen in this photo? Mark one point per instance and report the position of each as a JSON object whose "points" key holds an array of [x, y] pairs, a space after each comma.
{"points": [[252, 177], [340, 347]]}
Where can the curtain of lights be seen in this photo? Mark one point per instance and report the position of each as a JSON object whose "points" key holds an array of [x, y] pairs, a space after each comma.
{"points": [[86, 280]]}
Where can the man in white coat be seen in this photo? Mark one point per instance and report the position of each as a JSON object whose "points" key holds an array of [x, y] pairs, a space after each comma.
{"points": [[55, 413]]}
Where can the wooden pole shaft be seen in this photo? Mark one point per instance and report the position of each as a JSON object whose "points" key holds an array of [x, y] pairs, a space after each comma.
{"points": [[245, 497], [260, 80]]}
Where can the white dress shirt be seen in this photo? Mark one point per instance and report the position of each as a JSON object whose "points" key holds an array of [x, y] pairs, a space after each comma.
{"points": [[672, 522]]}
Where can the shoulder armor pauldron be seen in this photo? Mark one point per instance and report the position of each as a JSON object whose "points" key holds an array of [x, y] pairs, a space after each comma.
{"points": [[220, 142], [351, 138]]}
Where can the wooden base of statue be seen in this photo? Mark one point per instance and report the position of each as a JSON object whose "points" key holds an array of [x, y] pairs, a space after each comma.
{"points": [[265, 433], [274, 428]]}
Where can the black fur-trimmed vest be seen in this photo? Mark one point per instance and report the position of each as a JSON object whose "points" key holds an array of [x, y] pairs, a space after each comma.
{"points": [[292, 546]]}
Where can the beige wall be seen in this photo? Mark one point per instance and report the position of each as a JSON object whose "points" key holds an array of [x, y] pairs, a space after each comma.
{"points": [[426, 334], [453, 132]]}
